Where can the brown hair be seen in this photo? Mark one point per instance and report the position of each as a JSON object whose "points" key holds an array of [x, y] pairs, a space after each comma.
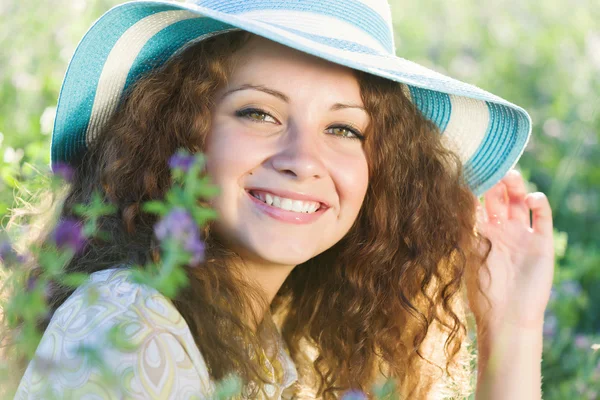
{"points": [[376, 303]]}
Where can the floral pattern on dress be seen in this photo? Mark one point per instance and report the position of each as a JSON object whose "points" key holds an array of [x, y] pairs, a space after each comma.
{"points": [[163, 363]]}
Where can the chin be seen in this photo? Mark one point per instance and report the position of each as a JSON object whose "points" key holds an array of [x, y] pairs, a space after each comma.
{"points": [[285, 253]]}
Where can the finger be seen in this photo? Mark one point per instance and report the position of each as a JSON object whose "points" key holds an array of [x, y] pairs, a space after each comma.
{"points": [[515, 186], [496, 203], [541, 213]]}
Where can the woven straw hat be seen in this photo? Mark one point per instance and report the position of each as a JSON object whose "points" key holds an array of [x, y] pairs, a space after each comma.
{"points": [[487, 132]]}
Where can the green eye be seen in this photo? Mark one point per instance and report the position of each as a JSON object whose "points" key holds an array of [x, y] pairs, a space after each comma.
{"points": [[254, 114], [257, 115], [346, 132], [341, 131]]}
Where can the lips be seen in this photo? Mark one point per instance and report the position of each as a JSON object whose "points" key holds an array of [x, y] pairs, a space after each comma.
{"points": [[280, 214], [290, 195], [287, 204]]}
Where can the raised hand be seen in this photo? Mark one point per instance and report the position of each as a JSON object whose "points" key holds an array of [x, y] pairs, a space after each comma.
{"points": [[521, 261]]}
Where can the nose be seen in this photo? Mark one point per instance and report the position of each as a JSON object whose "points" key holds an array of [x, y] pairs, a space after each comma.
{"points": [[299, 155]]}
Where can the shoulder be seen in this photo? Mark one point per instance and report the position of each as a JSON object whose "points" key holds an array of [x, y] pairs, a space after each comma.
{"points": [[155, 354], [112, 296]]}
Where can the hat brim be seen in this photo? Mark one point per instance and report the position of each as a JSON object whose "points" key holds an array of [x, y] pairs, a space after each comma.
{"points": [[488, 133]]}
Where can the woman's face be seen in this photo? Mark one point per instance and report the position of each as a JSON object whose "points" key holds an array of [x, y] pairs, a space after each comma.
{"points": [[286, 153]]}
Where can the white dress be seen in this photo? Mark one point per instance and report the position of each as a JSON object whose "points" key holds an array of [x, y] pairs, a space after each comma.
{"points": [[76, 358]]}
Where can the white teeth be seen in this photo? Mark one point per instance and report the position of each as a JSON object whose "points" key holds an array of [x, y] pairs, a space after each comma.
{"points": [[287, 204], [297, 206]]}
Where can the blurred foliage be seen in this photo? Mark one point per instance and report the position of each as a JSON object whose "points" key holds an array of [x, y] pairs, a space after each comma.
{"points": [[544, 56]]}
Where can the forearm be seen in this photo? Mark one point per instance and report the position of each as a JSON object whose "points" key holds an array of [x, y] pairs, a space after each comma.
{"points": [[509, 365]]}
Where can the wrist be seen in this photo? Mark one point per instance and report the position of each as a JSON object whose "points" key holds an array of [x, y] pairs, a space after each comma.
{"points": [[501, 341], [495, 327]]}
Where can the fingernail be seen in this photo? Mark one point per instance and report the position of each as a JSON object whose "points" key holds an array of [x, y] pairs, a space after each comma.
{"points": [[539, 195], [536, 196]]}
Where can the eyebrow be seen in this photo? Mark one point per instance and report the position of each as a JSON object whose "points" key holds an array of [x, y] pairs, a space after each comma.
{"points": [[281, 96]]}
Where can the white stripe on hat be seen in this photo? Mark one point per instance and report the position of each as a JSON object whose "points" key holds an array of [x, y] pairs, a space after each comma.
{"points": [[310, 22], [384, 62], [119, 63], [467, 126]]}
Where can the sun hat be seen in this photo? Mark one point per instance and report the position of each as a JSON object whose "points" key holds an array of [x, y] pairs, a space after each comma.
{"points": [[487, 132]]}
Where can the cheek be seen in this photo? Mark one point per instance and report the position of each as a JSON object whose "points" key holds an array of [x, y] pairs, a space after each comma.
{"points": [[225, 167], [229, 157], [352, 182]]}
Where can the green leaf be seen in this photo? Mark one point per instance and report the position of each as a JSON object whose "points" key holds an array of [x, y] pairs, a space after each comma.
{"points": [[8, 178], [228, 388], [201, 215], [74, 279], [3, 208], [103, 235], [80, 210], [386, 391], [155, 207]]}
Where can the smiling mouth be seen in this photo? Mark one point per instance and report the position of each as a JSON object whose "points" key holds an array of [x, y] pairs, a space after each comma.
{"points": [[283, 203]]}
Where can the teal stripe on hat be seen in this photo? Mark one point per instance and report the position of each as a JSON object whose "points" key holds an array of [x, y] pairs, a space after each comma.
{"points": [[435, 106], [501, 146], [353, 11], [168, 41], [79, 88]]}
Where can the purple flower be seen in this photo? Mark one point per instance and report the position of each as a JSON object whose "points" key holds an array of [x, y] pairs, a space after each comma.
{"points": [[31, 283], [182, 160], [64, 171], [582, 342], [69, 234], [196, 247], [8, 255], [354, 395], [180, 225]]}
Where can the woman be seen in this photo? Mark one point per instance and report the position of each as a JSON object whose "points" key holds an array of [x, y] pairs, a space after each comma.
{"points": [[347, 221]]}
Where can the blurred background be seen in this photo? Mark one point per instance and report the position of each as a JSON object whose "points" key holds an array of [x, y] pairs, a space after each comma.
{"points": [[543, 56]]}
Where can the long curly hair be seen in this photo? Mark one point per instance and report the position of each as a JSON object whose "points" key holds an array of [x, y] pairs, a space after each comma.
{"points": [[385, 301]]}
